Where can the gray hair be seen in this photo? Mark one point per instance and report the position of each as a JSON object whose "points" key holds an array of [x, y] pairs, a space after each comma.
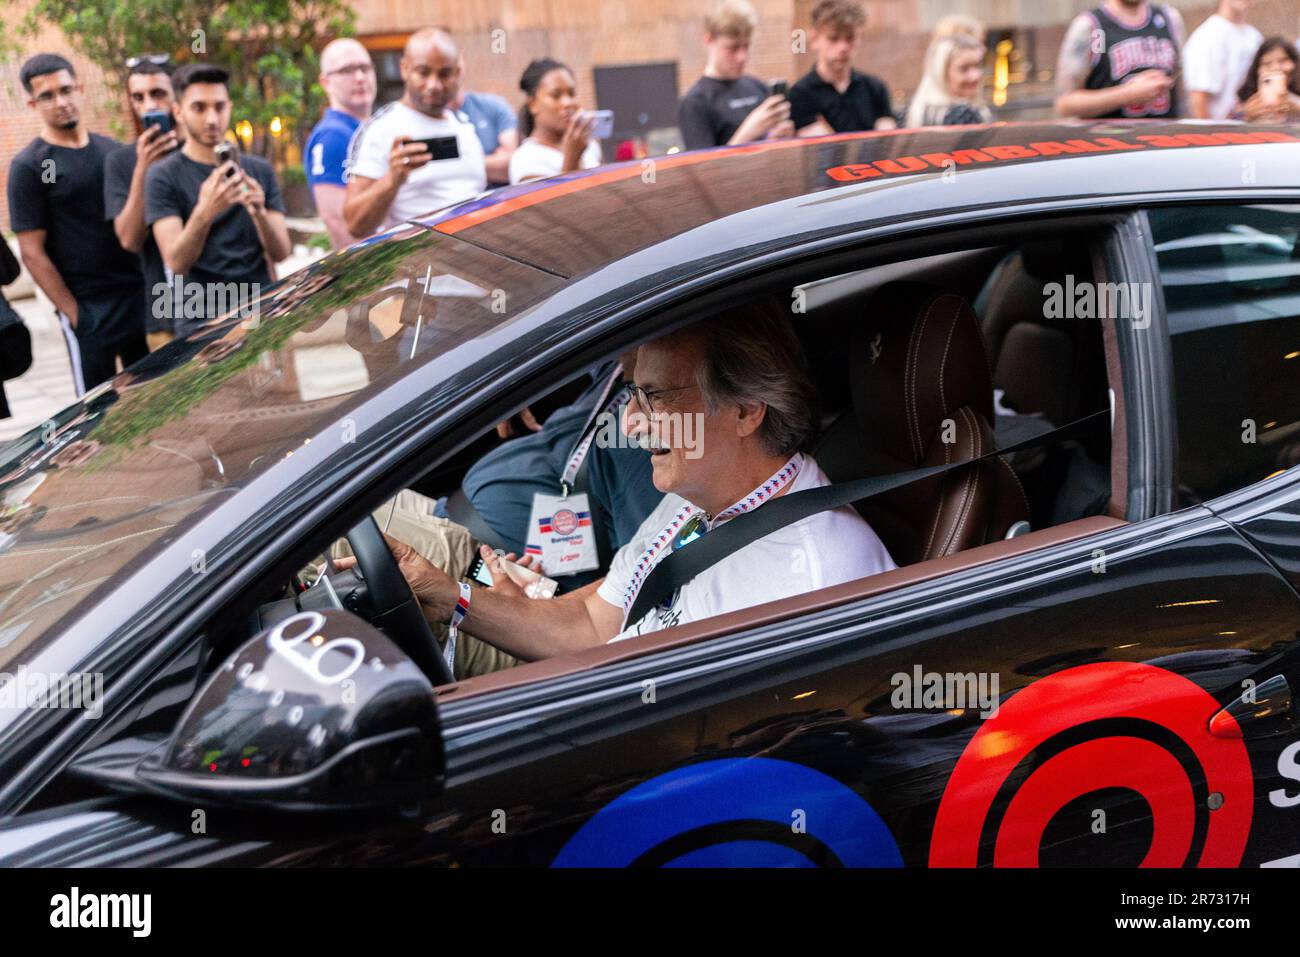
{"points": [[751, 354]]}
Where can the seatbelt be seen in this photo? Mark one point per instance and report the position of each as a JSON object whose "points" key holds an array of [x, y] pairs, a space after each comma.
{"points": [[678, 568]]}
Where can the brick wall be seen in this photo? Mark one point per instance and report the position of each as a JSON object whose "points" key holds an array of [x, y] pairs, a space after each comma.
{"points": [[590, 33]]}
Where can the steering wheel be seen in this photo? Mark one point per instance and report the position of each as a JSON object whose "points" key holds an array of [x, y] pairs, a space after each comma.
{"points": [[396, 609]]}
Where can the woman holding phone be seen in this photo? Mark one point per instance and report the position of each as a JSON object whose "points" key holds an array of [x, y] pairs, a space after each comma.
{"points": [[1271, 93], [558, 135]]}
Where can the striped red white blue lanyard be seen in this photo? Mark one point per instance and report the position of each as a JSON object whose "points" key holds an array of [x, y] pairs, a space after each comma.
{"points": [[658, 545]]}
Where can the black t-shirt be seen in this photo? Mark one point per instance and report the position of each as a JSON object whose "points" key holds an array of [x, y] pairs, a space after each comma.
{"points": [[864, 101], [232, 251], [61, 190], [712, 109], [118, 170]]}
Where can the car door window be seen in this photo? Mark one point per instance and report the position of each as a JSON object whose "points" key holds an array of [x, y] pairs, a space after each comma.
{"points": [[1231, 278]]}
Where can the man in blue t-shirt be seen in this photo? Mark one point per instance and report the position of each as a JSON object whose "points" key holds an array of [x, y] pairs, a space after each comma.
{"points": [[495, 123], [348, 77]]}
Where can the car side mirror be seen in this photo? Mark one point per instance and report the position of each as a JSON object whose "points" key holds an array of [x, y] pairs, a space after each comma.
{"points": [[320, 712]]}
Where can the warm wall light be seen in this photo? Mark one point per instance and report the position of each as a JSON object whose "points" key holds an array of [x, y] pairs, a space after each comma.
{"points": [[244, 130], [1001, 71], [277, 126]]}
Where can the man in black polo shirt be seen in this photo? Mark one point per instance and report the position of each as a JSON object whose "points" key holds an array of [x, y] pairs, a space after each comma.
{"points": [[216, 226], [833, 97], [149, 86], [56, 206]]}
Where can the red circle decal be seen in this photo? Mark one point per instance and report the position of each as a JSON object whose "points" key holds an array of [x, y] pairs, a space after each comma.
{"points": [[1075, 697], [564, 522]]}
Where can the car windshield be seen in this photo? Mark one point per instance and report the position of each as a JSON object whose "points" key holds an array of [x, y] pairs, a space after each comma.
{"points": [[85, 496]]}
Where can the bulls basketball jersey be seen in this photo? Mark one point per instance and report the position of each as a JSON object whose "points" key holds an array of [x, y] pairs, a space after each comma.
{"points": [[1120, 52]]}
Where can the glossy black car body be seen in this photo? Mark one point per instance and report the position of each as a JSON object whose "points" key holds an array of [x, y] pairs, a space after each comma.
{"points": [[770, 742]]}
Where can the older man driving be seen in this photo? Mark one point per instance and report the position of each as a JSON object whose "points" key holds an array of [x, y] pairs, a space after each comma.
{"points": [[743, 376]]}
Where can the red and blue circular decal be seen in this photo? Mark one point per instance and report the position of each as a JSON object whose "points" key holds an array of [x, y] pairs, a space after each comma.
{"points": [[735, 812], [1105, 725]]}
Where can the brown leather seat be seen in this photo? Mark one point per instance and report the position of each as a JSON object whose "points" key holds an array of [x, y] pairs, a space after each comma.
{"points": [[923, 395]]}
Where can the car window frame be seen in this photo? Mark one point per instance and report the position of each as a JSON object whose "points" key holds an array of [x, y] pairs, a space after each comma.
{"points": [[1165, 372]]}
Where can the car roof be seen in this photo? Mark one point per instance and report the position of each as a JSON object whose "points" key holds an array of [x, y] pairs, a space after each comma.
{"points": [[577, 223]]}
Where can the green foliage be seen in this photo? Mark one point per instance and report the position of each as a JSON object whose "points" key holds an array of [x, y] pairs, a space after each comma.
{"points": [[269, 46], [142, 410]]}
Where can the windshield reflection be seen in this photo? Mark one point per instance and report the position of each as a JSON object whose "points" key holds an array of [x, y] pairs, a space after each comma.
{"points": [[139, 458]]}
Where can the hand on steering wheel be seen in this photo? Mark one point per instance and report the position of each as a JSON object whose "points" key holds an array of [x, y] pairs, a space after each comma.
{"points": [[397, 610]]}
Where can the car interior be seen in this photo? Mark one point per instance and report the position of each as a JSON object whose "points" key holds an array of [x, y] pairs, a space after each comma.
{"points": [[919, 362]]}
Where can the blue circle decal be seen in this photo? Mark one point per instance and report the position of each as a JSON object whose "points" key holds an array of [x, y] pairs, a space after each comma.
{"points": [[735, 812]]}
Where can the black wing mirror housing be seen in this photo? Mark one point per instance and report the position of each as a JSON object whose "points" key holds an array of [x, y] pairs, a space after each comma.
{"points": [[320, 712]]}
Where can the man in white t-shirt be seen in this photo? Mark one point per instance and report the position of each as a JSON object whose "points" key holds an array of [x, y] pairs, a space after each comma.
{"points": [[725, 408], [392, 176], [1216, 58]]}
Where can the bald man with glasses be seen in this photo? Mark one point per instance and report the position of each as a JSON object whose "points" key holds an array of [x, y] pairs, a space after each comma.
{"points": [[348, 77]]}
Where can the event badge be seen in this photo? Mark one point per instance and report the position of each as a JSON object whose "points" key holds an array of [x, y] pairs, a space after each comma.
{"points": [[560, 531]]}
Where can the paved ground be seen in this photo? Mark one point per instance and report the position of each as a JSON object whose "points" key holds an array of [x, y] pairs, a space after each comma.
{"points": [[47, 386]]}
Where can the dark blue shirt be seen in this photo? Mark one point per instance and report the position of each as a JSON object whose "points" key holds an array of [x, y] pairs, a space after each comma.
{"points": [[491, 116]]}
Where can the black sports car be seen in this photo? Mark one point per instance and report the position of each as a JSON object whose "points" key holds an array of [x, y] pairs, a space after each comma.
{"points": [[1085, 657]]}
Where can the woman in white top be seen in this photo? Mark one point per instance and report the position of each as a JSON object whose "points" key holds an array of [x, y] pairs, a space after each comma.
{"points": [[557, 134], [950, 91]]}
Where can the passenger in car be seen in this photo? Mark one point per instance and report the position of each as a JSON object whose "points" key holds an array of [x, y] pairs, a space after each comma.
{"points": [[741, 378]]}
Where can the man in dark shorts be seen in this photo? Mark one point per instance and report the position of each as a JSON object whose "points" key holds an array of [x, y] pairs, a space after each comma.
{"points": [[56, 206]]}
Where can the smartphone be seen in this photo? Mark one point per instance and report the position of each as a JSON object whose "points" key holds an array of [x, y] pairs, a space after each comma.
{"points": [[1273, 86], [441, 147], [533, 584], [604, 127], [226, 153], [780, 88], [159, 118]]}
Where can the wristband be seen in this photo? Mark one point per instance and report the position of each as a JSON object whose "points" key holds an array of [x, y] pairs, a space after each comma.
{"points": [[453, 627]]}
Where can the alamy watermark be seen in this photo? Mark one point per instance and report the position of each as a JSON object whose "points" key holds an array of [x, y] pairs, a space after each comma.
{"points": [[921, 690], [206, 300], [1097, 300], [661, 430], [77, 690]]}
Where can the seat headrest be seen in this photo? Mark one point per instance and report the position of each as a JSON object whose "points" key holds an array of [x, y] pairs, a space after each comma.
{"points": [[918, 356]]}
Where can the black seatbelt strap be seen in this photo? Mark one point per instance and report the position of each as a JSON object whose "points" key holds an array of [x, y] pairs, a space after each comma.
{"points": [[677, 568]]}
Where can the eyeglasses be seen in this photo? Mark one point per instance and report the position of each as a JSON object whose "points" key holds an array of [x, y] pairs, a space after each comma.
{"points": [[156, 58], [645, 399], [363, 69]]}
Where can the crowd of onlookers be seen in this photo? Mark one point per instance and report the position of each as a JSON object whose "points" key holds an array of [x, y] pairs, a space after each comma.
{"points": [[118, 236]]}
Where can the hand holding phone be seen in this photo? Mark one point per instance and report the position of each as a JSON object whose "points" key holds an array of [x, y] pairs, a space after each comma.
{"points": [[1273, 87], [532, 584]]}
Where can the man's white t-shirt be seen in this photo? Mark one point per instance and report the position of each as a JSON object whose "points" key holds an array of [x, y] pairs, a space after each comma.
{"points": [[1216, 58], [533, 159], [437, 183], [824, 549]]}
